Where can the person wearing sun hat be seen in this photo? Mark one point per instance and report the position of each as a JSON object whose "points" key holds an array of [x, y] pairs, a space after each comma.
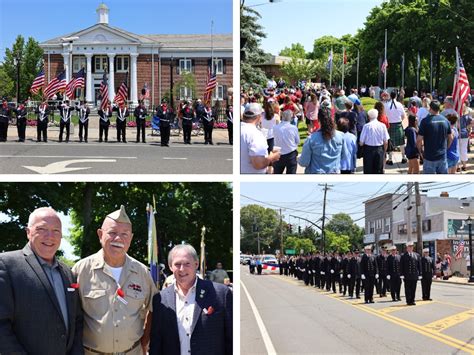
{"points": [[116, 292], [410, 271]]}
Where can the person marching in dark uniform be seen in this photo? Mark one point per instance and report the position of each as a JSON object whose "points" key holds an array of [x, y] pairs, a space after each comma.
{"points": [[121, 122], [208, 123], [166, 115], [317, 270], [140, 114], [344, 271], [42, 121], [324, 265], [252, 264], [369, 273], [427, 270], [358, 285], [104, 123], [291, 267], [393, 273], [410, 271], [20, 112], [327, 271], [382, 267], [229, 112], [65, 122], [187, 115], [285, 266], [5, 114], [84, 112], [334, 271], [351, 269]]}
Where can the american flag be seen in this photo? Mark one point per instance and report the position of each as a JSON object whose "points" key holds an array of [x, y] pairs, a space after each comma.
{"points": [[384, 66], [38, 82], [271, 267], [211, 85], [55, 85], [122, 94], [329, 64], [76, 82], [460, 250], [145, 92], [104, 92], [461, 85]]}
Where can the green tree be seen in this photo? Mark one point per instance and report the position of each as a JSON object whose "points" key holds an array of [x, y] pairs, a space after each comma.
{"points": [[188, 80], [295, 51], [337, 242], [267, 222], [301, 69], [342, 224], [30, 58], [299, 244]]}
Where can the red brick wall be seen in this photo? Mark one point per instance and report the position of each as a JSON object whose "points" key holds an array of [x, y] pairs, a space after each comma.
{"points": [[56, 66], [444, 246]]}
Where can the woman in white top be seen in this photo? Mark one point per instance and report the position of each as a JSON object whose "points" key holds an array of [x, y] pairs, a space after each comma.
{"points": [[269, 121], [424, 110]]}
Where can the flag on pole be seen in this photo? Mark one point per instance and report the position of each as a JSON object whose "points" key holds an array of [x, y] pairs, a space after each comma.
{"points": [[202, 263], [418, 61], [461, 85], [384, 66], [210, 86], [38, 82], [152, 245], [344, 55], [56, 85], [104, 92], [460, 250], [77, 81], [122, 93], [329, 63], [145, 92]]}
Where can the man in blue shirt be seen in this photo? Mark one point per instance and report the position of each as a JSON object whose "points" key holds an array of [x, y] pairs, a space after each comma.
{"points": [[434, 135]]}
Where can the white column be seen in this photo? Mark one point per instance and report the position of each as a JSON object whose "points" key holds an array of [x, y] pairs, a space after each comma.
{"points": [[111, 77], [133, 81], [89, 80], [66, 65]]}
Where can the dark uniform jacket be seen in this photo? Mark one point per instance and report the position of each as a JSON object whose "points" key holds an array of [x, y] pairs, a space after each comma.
{"points": [[21, 113], [140, 113], [83, 113], [427, 267], [382, 264], [368, 266], [352, 267], [165, 114], [393, 265], [410, 266], [42, 116], [65, 112], [104, 116], [5, 113]]}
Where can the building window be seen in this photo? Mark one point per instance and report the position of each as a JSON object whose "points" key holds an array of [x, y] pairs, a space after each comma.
{"points": [[100, 63], [426, 226], [402, 229], [378, 224], [185, 65], [219, 93], [218, 66], [122, 63], [386, 228], [413, 227], [78, 63], [371, 227], [185, 93]]}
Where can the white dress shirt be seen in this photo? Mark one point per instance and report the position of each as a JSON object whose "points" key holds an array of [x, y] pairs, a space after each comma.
{"points": [[287, 137], [184, 314], [394, 111], [252, 144], [374, 134]]}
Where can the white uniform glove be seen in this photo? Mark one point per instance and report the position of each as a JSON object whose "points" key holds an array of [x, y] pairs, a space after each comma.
{"points": [[309, 272], [348, 276], [402, 277], [322, 272], [341, 276], [376, 276], [362, 277], [419, 277], [332, 271], [388, 277]]}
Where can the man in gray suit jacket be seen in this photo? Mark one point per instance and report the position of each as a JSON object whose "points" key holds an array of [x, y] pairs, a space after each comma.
{"points": [[40, 311], [191, 316]]}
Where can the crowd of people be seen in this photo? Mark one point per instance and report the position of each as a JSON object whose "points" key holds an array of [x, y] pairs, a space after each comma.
{"points": [[188, 115], [340, 131], [354, 273]]}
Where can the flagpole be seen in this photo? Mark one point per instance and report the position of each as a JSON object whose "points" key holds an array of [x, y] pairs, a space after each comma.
{"points": [[403, 70], [431, 72], [202, 263], [385, 71], [357, 78], [212, 58], [330, 70], [343, 54], [418, 72]]}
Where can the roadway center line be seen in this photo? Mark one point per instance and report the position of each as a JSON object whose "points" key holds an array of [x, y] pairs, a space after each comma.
{"points": [[445, 323], [266, 338], [169, 158], [64, 156]]}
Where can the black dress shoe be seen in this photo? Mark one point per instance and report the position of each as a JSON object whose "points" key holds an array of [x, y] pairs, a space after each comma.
{"points": [[404, 161], [371, 301], [124, 141], [389, 162]]}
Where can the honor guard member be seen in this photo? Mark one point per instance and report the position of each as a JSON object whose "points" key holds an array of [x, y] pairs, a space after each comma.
{"points": [[324, 263], [307, 269], [393, 273], [369, 273], [334, 270], [65, 112], [83, 112], [122, 114], [358, 285], [208, 123], [382, 267], [351, 270], [344, 272], [230, 123], [187, 115], [317, 270], [427, 271], [166, 115], [20, 112], [410, 272], [327, 271], [104, 122], [42, 112], [116, 293], [140, 114], [5, 114]]}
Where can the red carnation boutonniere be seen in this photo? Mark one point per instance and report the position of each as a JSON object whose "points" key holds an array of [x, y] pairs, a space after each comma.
{"points": [[121, 295], [208, 311], [73, 287]]}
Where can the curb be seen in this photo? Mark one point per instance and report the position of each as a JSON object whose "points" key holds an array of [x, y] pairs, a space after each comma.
{"points": [[454, 282]]}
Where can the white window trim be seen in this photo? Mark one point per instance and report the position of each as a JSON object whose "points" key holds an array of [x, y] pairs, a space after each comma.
{"points": [[122, 58], [101, 69], [217, 90], [188, 93], [216, 62], [80, 60], [182, 68]]}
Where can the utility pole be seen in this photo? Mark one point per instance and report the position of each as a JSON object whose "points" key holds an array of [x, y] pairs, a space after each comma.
{"points": [[419, 236], [323, 235], [281, 235], [409, 224]]}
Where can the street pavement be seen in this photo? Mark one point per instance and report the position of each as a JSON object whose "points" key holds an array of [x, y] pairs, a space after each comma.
{"points": [[112, 157], [304, 320]]}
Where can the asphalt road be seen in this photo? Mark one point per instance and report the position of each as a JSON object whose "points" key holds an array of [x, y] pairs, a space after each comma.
{"points": [[304, 320], [114, 158]]}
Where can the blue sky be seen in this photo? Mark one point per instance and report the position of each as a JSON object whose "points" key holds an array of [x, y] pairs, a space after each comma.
{"points": [[291, 21], [46, 19], [305, 199]]}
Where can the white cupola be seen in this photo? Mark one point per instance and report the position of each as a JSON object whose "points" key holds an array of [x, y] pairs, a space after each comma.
{"points": [[103, 14]]}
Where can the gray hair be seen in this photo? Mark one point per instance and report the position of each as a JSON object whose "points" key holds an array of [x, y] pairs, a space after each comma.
{"points": [[188, 248], [426, 102], [287, 115], [373, 113], [38, 211]]}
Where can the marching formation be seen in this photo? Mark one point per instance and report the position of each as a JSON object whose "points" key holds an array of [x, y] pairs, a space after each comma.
{"points": [[354, 273]]}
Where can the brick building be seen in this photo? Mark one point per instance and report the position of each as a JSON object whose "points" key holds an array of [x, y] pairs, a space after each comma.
{"points": [[153, 60]]}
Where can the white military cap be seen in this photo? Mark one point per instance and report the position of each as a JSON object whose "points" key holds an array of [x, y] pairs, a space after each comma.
{"points": [[369, 246], [410, 244], [426, 250], [120, 215]]}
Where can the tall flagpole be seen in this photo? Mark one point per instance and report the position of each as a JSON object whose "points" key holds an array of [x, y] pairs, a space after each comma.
{"points": [[330, 69], [418, 72], [431, 72], [357, 78], [343, 55], [403, 70], [385, 71], [212, 58]]}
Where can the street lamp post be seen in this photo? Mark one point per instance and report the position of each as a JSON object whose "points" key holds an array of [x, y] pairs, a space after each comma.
{"points": [[171, 83], [471, 274], [16, 62]]}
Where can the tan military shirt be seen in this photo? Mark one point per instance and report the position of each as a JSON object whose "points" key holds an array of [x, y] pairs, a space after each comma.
{"points": [[109, 324]]}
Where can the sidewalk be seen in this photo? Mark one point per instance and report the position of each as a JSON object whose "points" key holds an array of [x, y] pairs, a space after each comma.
{"points": [[456, 281]]}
